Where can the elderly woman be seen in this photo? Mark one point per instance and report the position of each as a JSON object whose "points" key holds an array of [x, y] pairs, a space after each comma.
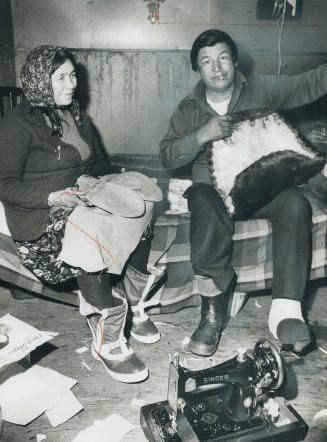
{"points": [[47, 144]]}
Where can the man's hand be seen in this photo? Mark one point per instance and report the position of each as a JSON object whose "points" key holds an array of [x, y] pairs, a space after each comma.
{"points": [[216, 129], [65, 198], [318, 136]]}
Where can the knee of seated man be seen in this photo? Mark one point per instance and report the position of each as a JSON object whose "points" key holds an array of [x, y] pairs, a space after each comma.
{"points": [[201, 195], [293, 203]]}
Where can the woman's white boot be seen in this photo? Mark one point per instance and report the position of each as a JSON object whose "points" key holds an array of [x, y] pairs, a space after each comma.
{"points": [[109, 343], [138, 287]]}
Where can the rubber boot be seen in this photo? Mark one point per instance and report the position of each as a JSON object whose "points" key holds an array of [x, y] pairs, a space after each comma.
{"points": [[205, 339], [109, 343], [137, 286]]}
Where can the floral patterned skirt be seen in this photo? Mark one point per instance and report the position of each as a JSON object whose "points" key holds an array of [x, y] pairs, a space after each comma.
{"points": [[40, 256]]}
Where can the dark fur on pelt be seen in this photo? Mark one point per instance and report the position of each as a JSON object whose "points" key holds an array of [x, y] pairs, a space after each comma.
{"points": [[264, 179]]}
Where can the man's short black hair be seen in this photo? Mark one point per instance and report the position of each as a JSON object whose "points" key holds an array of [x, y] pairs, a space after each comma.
{"points": [[210, 38]]}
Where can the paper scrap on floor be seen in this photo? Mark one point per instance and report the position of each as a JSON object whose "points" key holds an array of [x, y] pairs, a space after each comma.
{"points": [[81, 350], [114, 425], [19, 339], [27, 395], [66, 408]]}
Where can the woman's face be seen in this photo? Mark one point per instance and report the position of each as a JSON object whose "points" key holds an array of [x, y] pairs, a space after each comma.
{"points": [[64, 83]]}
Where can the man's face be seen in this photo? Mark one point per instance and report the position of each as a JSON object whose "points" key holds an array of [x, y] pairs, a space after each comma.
{"points": [[216, 67]]}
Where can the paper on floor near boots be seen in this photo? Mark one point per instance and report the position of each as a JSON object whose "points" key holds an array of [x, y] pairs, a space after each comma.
{"points": [[21, 337], [27, 395], [66, 408], [114, 425]]}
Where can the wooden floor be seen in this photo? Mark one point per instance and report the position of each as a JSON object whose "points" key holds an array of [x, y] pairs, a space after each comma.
{"points": [[101, 396]]}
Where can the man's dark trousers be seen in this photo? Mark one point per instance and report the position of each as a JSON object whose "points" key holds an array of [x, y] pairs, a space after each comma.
{"points": [[211, 232]]}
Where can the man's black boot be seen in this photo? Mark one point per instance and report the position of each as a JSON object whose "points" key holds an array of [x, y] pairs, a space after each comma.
{"points": [[206, 337]]}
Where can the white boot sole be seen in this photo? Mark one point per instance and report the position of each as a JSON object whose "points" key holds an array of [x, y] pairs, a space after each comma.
{"points": [[146, 339], [126, 378]]}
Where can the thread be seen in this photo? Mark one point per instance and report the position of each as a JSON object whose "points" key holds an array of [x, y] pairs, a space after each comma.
{"points": [[280, 25]]}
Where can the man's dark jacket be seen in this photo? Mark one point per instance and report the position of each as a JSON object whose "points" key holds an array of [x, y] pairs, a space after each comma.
{"points": [[180, 147]]}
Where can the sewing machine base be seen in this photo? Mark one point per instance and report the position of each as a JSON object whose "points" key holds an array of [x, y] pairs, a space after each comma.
{"points": [[156, 424]]}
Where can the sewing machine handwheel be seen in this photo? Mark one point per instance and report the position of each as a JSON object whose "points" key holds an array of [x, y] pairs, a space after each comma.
{"points": [[269, 360]]}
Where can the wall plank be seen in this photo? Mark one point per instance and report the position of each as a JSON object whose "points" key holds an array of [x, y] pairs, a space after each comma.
{"points": [[116, 24], [7, 55], [132, 95], [135, 73]]}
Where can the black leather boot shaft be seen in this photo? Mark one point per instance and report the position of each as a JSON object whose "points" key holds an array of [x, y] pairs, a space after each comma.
{"points": [[206, 337]]}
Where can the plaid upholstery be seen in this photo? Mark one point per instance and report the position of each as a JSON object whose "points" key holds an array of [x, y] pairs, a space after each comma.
{"points": [[252, 257]]}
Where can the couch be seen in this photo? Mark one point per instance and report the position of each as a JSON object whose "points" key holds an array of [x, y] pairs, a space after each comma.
{"points": [[252, 256]]}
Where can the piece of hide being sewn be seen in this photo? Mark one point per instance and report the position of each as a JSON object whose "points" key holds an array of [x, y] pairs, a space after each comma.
{"points": [[264, 156]]}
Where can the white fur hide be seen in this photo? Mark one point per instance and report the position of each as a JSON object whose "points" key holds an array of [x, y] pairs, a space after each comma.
{"points": [[250, 141]]}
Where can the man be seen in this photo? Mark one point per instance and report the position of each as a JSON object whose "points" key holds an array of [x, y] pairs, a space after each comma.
{"points": [[201, 118]]}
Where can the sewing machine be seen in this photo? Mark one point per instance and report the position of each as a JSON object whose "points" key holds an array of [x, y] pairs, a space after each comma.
{"points": [[231, 401]]}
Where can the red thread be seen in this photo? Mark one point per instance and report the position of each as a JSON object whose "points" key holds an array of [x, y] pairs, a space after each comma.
{"points": [[93, 239]]}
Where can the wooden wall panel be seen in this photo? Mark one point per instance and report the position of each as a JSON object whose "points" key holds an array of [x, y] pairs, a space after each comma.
{"points": [[7, 54], [137, 72], [7, 67], [132, 95], [116, 24]]}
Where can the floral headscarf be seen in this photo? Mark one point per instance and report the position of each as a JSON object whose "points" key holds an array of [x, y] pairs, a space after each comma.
{"points": [[37, 85]]}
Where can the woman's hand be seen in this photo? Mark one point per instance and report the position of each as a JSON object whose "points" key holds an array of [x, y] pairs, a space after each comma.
{"points": [[65, 198]]}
